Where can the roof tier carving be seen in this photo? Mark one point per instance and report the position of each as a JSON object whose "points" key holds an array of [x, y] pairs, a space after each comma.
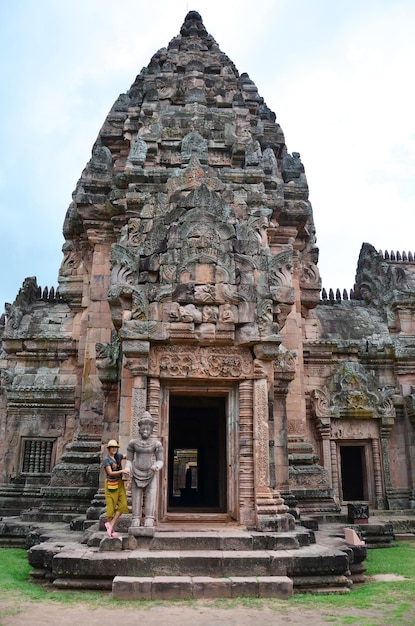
{"points": [[208, 215]]}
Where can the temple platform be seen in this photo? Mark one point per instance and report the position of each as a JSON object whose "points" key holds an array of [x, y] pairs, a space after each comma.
{"points": [[195, 560]]}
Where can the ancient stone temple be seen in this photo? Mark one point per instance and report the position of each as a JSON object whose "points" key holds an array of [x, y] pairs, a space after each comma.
{"points": [[189, 288]]}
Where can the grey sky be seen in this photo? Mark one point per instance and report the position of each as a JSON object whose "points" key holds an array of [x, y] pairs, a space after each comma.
{"points": [[338, 75]]}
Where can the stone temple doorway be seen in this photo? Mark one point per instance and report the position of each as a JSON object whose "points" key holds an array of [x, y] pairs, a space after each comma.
{"points": [[197, 477], [354, 474]]}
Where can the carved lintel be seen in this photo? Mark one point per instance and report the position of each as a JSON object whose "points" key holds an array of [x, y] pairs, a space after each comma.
{"points": [[200, 362]]}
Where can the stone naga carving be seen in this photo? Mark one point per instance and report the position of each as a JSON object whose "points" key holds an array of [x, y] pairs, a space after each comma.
{"points": [[292, 168], [107, 355], [28, 293]]}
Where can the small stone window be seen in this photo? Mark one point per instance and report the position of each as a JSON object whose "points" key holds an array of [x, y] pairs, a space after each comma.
{"points": [[37, 456]]}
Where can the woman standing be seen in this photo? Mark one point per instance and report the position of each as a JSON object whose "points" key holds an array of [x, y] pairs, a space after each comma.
{"points": [[115, 494]]}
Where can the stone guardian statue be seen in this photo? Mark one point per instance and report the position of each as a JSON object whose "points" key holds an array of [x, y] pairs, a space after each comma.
{"points": [[144, 460]]}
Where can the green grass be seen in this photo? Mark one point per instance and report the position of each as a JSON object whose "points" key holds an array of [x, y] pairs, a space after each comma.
{"points": [[16, 583], [369, 604], [393, 601]]}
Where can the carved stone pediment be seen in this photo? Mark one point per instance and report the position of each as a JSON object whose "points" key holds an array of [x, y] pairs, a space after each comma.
{"points": [[351, 393], [195, 254]]}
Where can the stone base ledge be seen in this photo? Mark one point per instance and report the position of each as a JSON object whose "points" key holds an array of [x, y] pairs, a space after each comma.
{"points": [[184, 587]]}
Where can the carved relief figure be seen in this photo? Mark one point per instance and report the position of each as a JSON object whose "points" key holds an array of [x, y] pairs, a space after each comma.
{"points": [[138, 152]]}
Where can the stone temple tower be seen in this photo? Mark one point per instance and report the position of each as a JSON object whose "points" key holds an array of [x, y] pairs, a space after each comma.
{"points": [[188, 276]]}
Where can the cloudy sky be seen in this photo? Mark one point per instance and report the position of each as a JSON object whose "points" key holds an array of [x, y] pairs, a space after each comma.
{"points": [[339, 76]]}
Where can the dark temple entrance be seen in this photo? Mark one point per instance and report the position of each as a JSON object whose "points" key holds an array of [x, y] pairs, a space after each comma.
{"points": [[353, 473], [197, 454]]}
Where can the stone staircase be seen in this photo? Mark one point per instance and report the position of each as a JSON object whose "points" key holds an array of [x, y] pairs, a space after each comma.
{"points": [[199, 560], [194, 563]]}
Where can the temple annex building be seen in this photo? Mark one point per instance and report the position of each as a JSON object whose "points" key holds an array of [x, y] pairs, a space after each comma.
{"points": [[189, 287]]}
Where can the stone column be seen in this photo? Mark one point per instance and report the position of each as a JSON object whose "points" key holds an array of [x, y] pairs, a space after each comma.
{"points": [[270, 508], [323, 427], [136, 354], [385, 430], [261, 438], [410, 411], [246, 456], [334, 474], [95, 326], [377, 470], [153, 403], [107, 363], [284, 372]]}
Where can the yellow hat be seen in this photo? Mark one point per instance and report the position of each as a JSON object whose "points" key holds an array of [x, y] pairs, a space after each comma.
{"points": [[112, 444]]}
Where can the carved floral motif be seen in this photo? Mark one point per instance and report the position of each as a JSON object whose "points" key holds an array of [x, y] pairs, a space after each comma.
{"points": [[200, 362]]}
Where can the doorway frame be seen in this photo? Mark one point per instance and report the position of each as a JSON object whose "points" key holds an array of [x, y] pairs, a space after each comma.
{"points": [[367, 469], [230, 392]]}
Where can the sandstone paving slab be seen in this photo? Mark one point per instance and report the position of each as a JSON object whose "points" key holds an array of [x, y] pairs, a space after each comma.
{"points": [[186, 541], [244, 586], [207, 587], [132, 588], [280, 562], [253, 562], [236, 541], [275, 541], [180, 587], [175, 562], [275, 587], [171, 588], [87, 563]]}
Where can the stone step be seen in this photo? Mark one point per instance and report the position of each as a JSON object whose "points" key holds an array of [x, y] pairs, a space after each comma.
{"points": [[76, 562], [216, 563], [405, 536], [36, 515], [185, 587], [77, 565], [210, 540]]}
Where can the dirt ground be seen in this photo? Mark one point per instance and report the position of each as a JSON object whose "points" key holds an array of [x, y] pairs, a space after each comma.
{"points": [[200, 614]]}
